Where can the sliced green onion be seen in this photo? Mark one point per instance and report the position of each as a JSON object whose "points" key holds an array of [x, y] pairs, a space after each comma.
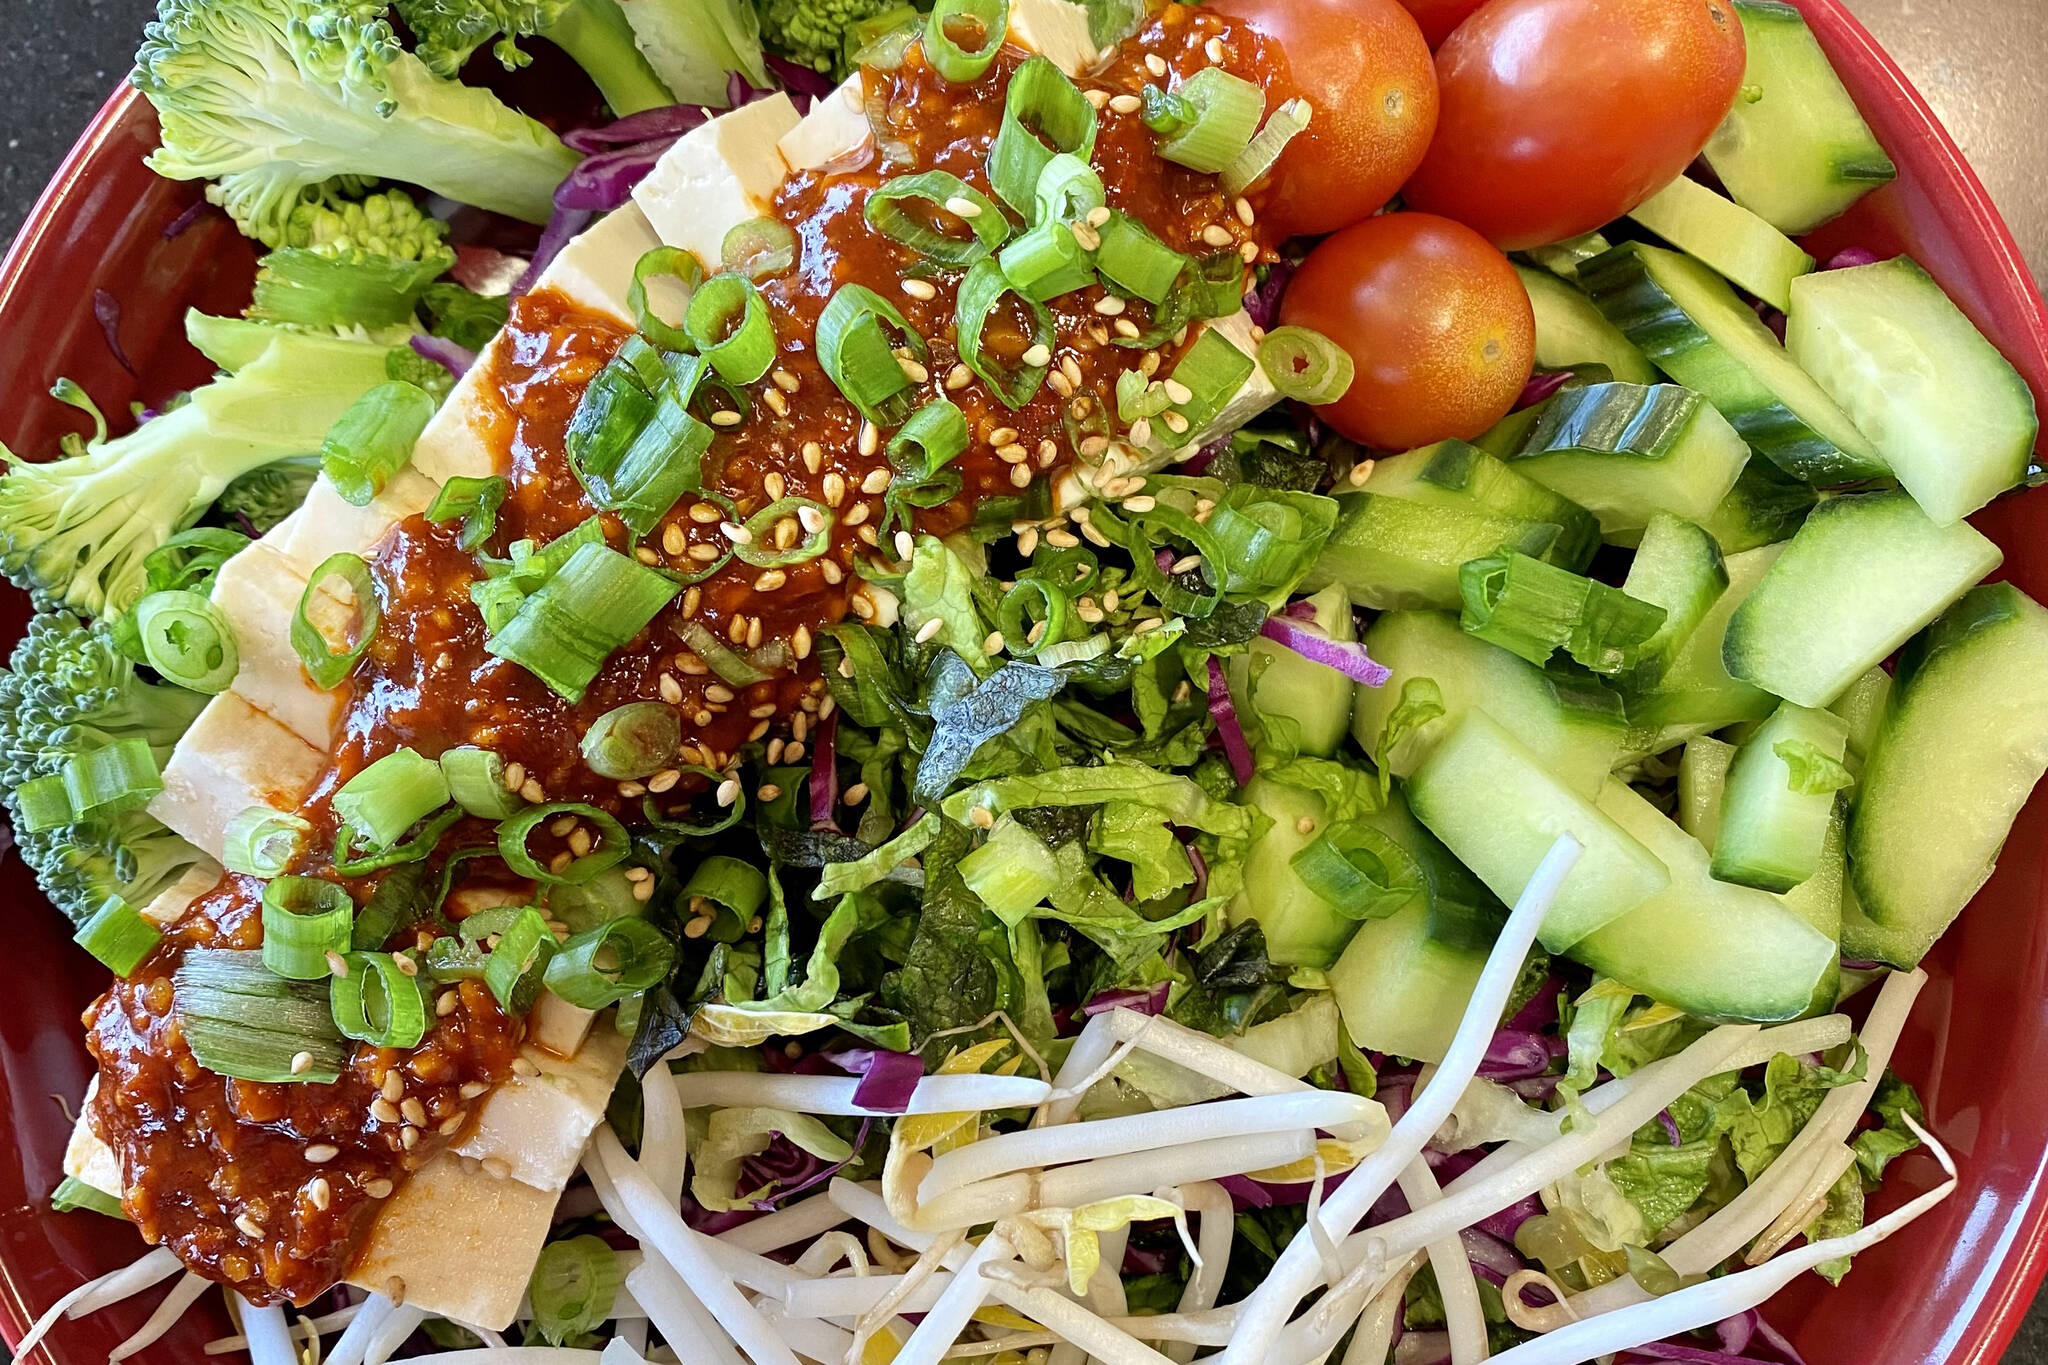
{"points": [[728, 321], [400, 901], [378, 1003], [305, 919], [1164, 112], [1286, 124], [392, 795], [1223, 111], [1136, 398], [451, 958], [731, 668], [858, 332], [476, 781], [1046, 262], [1306, 366], [1358, 871], [740, 887], [374, 438], [1137, 262], [574, 1283], [73, 1195], [638, 452], [1268, 537], [243, 1020], [651, 812], [880, 41], [1214, 371], [759, 248], [1032, 603], [604, 965], [986, 20], [189, 558], [1533, 609], [615, 407], [595, 603], [261, 842], [758, 549], [517, 967], [935, 435], [909, 208], [324, 664], [634, 740], [113, 778], [677, 264], [118, 936], [413, 850], [1044, 114], [42, 803], [980, 294], [1068, 188], [476, 500], [185, 638], [611, 848]]}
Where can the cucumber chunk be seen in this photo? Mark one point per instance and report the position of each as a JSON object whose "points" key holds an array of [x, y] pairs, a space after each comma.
{"points": [[1706, 947], [1818, 901], [1960, 748], [1702, 778], [1505, 437], [1697, 691], [1574, 726], [1727, 237], [1774, 815], [1403, 981], [1392, 553], [1305, 706], [1499, 810], [1677, 567], [1864, 939], [1765, 506], [1947, 412], [1563, 259], [1458, 475], [1862, 575], [1794, 150], [1301, 928], [1571, 332], [1627, 451], [1691, 324], [1862, 709]]}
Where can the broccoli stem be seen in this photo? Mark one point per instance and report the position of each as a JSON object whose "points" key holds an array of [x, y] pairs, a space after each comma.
{"points": [[595, 33]]}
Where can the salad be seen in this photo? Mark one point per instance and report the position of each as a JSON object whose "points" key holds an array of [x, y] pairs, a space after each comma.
{"points": [[1020, 698]]}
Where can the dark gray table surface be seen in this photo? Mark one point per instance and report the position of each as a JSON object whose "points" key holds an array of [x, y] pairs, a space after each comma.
{"points": [[1974, 59]]}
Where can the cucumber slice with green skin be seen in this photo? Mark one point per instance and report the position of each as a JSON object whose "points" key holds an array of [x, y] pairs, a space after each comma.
{"points": [[1702, 778], [1864, 939], [1694, 328], [1727, 237], [1702, 946], [1311, 702], [1627, 451], [1818, 901], [1563, 259], [1962, 745], [1571, 332], [1772, 831], [1863, 574], [1697, 692], [1460, 475], [1765, 506], [1505, 437], [1862, 709], [1496, 807], [1677, 567], [1948, 413], [1794, 150], [1574, 726], [1392, 553], [1301, 928], [1403, 981]]}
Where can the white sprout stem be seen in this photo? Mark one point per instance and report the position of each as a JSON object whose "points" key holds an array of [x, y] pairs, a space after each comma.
{"points": [[1037, 1148], [1138, 1172], [355, 1342], [1807, 1202], [1100, 1338], [1091, 1049], [1200, 1053], [787, 1226], [1267, 1309], [948, 1317], [1105, 1294], [678, 1313], [812, 1338], [1217, 1226], [112, 1287], [400, 1323], [751, 1269], [1453, 1270], [1373, 1336], [270, 1336], [513, 1355], [844, 1296], [834, 1094], [315, 1327], [620, 1351], [689, 1255], [183, 1295], [664, 1137], [1709, 1302]]}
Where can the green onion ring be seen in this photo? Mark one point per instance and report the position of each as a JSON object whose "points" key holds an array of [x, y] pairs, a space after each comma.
{"points": [[886, 214], [613, 845], [323, 665], [1044, 114], [641, 956], [632, 741], [980, 293], [759, 248], [656, 820], [953, 62], [728, 322], [1224, 113], [518, 964], [376, 986], [1306, 366], [1286, 123], [761, 527], [678, 265], [1014, 621], [187, 639], [857, 354], [262, 842], [474, 499], [413, 850], [305, 919]]}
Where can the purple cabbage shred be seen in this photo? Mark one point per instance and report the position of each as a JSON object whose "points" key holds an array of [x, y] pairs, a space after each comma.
{"points": [[1224, 712], [1349, 659], [443, 352], [106, 310], [1150, 1000]]}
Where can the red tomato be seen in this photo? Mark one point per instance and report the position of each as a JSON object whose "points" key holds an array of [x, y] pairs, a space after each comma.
{"points": [[1561, 115], [1364, 69], [1433, 316], [1439, 17]]}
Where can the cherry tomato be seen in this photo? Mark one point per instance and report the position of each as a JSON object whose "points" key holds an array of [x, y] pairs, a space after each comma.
{"points": [[1439, 17], [1435, 319], [1562, 115], [1364, 69]]}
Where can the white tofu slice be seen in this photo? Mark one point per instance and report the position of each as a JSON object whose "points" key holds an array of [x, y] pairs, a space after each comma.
{"points": [[459, 1241], [87, 1159], [1054, 29], [173, 901], [326, 524], [718, 176], [836, 128], [232, 758], [258, 591], [537, 1125], [557, 1026]]}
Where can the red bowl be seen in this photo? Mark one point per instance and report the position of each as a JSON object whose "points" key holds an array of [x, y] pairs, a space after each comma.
{"points": [[1952, 1289]]}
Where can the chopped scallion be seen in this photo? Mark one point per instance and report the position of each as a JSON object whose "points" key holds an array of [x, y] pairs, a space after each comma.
{"points": [[1222, 113], [187, 639], [518, 965], [378, 1003], [1358, 871], [1014, 383], [731, 669], [759, 549], [1137, 262], [676, 264], [1044, 114], [324, 664], [1306, 366], [610, 850], [305, 919], [858, 333], [113, 778], [118, 936], [374, 438], [42, 803], [595, 603], [603, 965], [759, 248], [953, 24], [243, 1020], [728, 321], [262, 842], [917, 209], [392, 795], [476, 501], [1287, 123], [476, 781], [634, 740]]}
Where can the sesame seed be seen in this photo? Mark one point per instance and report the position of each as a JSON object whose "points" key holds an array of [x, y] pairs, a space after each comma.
{"points": [[1249, 252], [319, 1193], [981, 817], [515, 773], [1110, 306], [1148, 364], [786, 381], [446, 1003], [794, 753], [384, 1111], [775, 401], [406, 966], [1098, 216], [1141, 431], [904, 545], [1071, 368], [1012, 453], [959, 377], [320, 1153], [1002, 436], [497, 1167], [1020, 476], [1177, 391], [870, 439], [1360, 472], [814, 456], [673, 539], [770, 581], [920, 289], [472, 1089], [1185, 564], [1126, 328], [1093, 536], [1037, 354], [1217, 235], [1027, 541], [532, 791], [643, 891], [800, 641], [835, 488], [1062, 540], [1086, 235], [728, 791], [929, 630], [1144, 503], [521, 1066], [703, 513], [671, 690], [1155, 64], [877, 481], [867, 537], [579, 842], [962, 207], [763, 711], [450, 1124], [736, 533], [1098, 98], [700, 720], [409, 1138], [415, 1113], [993, 644], [248, 1226], [1094, 445], [302, 1062], [1126, 104], [736, 629], [831, 571], [913, 371], [726, 419], [767, 791], [772, 484], [1243, 209], [1061, 385], [1213, 49], [337, 964], [1305, 825], [1176, 423], [858, 515], [719, 693], [703, 554]]}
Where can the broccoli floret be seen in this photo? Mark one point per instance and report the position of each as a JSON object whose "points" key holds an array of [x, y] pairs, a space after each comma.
{"points": [[388, 223], [593, 32], [264, 497], [75, 531], [813, 33], [276, 98], [132, 856], [69, 690]]}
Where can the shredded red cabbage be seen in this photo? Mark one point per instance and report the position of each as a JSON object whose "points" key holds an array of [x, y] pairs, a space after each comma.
{"points": [[443, 352], [1201, 865], [1347, 658], [1299, 611], [486, 270], [563, 225], [887, 1079], [1423, 1348], [1198, 463], [808, 1174], [1516, 1055], [604, 180], [1860, 964], [1145, 1260], [106, 310], [1737, 1332], [825, 773], [1263, 303], [1504, 1224], [1670, 1125], [1224, 712], [178, 226], [1694, 1355], [1541, 1011], [1150, 1001], [1850, 257], [1541, 387], [803, 83], [649, 125], [1490, 1256]]}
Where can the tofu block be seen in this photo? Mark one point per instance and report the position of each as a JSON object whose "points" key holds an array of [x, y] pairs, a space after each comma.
{"points": [[232, 758], [1054, 29], [258, 591], [327, 525], [718, 176], [86, 1158], [537, 1125], [460, 1241], [173, 901], [836, 128], [557, 1026]]}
